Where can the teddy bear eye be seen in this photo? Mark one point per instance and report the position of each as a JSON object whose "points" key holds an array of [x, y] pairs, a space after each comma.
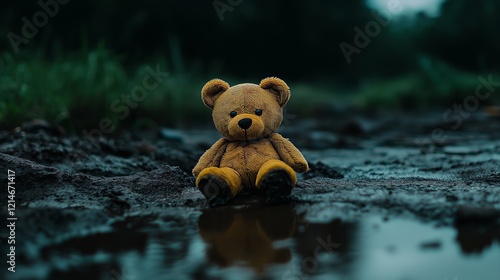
{"points": [[233, 114], [258, 112]]}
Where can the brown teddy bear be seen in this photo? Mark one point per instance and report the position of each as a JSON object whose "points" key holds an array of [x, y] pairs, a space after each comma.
{"points": [[251, 155]]}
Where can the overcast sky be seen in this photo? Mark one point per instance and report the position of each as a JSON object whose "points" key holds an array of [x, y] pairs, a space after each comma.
{"points": [[430, 7]]}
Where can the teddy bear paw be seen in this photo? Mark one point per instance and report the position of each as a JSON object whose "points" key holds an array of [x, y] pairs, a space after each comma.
{"points": [[215, 190], [276, 186]]}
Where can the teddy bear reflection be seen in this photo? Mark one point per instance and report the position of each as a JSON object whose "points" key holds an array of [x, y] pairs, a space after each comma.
{"points": [[246, 236]]}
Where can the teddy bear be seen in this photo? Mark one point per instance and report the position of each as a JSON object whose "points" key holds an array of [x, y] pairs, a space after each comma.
{"points": [[251, 156]]}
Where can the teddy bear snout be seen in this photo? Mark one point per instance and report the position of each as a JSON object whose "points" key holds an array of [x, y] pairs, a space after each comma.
{"points": [[245, 127], [245, 123]]}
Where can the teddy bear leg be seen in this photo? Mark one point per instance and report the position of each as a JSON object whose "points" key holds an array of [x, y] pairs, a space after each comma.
{"points": [[276, 180], [219, 185]]}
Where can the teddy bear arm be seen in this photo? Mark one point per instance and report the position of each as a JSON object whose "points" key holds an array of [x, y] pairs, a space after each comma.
{"points": [[289, 153], [212, 157]]}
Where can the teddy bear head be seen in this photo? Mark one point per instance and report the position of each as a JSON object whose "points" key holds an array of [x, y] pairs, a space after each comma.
{"points": [[246, 111]]}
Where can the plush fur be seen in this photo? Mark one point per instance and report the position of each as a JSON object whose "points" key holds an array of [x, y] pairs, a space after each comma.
{"points": [[247, 116]]}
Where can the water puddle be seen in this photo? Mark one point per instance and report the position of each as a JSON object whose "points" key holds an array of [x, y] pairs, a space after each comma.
{"points": [[253, 241]]}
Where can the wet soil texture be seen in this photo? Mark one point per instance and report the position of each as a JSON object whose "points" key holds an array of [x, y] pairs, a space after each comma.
{"points": [[106, 208]]}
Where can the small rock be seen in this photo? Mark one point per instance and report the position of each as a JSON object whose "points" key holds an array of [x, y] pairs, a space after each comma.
{"points": [[37, 125], [173, 135], [462, 150], [470, 214], [322, 170], [353, 128], [430, 245]]}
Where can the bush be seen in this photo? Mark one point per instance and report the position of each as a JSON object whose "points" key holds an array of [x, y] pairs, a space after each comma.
{"points": [[434, 84]]}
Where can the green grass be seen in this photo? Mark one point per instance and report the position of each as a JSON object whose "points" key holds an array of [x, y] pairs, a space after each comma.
{"points": [[314, 100], [77, 91], [435, 84]]}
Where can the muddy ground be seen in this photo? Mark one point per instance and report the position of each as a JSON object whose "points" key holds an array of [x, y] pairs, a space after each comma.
{"points": [[91, 196]]}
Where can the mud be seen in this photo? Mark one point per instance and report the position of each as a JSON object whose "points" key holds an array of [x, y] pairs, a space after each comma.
{"points": [[99, 200]]}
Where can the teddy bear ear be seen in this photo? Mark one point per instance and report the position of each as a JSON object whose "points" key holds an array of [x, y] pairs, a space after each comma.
{"points": [[278, 87], [212, 90]]}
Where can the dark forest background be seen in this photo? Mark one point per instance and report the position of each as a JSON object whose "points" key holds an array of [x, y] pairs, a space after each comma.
{"points": [[92, 52]]}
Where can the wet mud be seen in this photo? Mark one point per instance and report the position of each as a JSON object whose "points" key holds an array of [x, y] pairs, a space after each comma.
{"points": [[103, 208]]}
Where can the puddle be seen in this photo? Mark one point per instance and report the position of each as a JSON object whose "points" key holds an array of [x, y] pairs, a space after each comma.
{"points": [[257, 242]]}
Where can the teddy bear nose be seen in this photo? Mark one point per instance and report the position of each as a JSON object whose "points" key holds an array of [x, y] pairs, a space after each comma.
{"points": [[245, 123]]}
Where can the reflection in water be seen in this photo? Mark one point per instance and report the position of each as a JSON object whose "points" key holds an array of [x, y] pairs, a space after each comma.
{"points": [[474, 238], [326, 247], [246, 236], [240, 242]]}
